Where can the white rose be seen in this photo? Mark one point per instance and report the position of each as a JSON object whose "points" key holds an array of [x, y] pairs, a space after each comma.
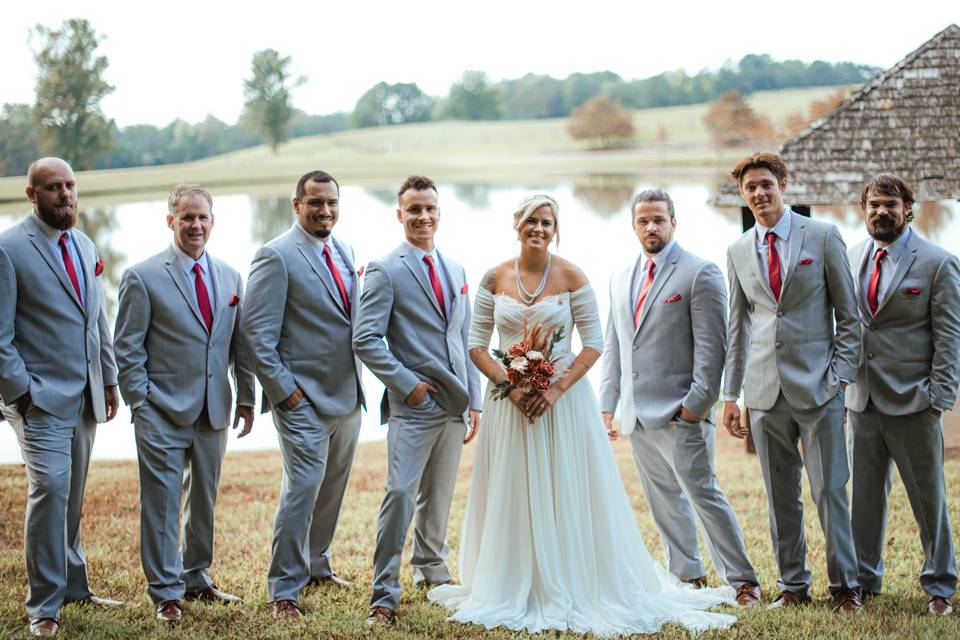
{"points": [[534, 355], [519, 365]]}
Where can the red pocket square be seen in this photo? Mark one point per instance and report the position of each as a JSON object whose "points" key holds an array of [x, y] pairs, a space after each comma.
{"points": [[912, 291], [675, 298], [806, 261], [463, 290], [99, 268], [360, 272], [235, 300]]}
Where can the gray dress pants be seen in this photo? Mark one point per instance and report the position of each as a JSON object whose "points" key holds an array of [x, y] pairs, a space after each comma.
{"points": [[57, 455], [915, 443], [423, 455]]}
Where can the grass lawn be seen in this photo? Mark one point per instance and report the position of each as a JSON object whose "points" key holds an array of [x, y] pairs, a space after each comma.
{"points": [[248, 498], [450, 151]]}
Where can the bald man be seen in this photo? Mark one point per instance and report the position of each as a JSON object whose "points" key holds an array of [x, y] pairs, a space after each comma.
{"points": [[57, 381]]}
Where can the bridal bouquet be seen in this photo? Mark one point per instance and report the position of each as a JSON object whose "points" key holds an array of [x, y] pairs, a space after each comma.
{"points": [[528, 363]]}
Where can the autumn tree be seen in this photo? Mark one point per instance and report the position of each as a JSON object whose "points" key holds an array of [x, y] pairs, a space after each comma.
{"points": [[795, 123], [267, 108], [732, 122], [70, 86], [602, 122]]}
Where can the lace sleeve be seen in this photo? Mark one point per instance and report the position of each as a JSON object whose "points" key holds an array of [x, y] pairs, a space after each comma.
{"points": [[481, 322], [586, 317]]}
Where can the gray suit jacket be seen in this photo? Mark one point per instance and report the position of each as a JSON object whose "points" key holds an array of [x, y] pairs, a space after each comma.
{"points": [[674, 357], [164, 351], [910, 349], [297, 329], [50, 344], [398, 304], [792, 346]]}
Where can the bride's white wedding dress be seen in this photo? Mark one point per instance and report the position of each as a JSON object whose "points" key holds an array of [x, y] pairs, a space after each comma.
{"points": [[549, 538]]}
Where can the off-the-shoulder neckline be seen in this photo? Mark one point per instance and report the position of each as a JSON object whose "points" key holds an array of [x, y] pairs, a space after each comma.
{"points": [[543, 299]]}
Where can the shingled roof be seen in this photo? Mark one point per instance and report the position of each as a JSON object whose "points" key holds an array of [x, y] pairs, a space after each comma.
{"points": [[906, 121]]}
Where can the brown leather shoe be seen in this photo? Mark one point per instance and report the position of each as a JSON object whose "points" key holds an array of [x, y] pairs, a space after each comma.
{"points": [[44, 627], [748, 595], [95, 601], [939, 606], [696, 583], [847, 602], [169, 611], [381, 616], [286, 610], [788, 599], [213, 594], [333, 579]]}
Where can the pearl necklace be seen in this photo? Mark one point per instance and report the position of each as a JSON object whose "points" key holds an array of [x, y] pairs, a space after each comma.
{"points": [[525, 295]]}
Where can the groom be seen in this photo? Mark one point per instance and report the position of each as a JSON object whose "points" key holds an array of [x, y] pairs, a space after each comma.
{"points": [[663, 357], [417, 299]]}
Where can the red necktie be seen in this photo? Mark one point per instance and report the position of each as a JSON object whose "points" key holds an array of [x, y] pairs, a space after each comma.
{"points": [[644, 290], [336, 278], [68, 265], [435, 283], [773, 265], [203, 298], [872, 288]]}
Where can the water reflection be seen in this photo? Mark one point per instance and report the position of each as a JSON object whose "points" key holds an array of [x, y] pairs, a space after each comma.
{"points": [[476, 231], [270, 216]]}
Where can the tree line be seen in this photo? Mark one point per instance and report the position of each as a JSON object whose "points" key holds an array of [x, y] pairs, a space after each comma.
{"points": [[66, 117]]}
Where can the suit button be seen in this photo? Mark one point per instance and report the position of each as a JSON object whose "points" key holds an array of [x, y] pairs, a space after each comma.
{"points": [[873, 328], [636, 348], [779, 314], [210, 375], [635, 375], [778, 345], [869, 356]]}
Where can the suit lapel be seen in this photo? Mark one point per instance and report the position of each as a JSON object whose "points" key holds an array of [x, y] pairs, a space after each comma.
{"points": [[353, 273], [669, 266], [410, 260], [624, 294], [89, 278], [748, 248], [186, 288], [309, 253], [218, 294], [798, 227], [54, 261], [907, 257], [453, 289], [858, 278]]}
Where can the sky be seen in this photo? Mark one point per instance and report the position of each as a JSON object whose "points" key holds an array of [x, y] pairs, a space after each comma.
{"points": [[188, 59]]}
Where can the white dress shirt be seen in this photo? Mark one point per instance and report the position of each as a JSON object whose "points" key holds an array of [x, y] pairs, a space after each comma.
{"points": [[346, 273], [53, 237], [186, 265], [438, 267], [888, 266], [782, 244]]}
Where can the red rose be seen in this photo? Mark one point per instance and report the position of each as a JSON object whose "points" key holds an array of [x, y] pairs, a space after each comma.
{"points": [[518, 350], [546, 368], [540, 382], [533, 366], [235, 300], [513, 376]]}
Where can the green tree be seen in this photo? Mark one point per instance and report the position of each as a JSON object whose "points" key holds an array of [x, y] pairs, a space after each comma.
{"points": [[18, 143], [385, 104], [473, 98], [70, 86], [267, 109]]}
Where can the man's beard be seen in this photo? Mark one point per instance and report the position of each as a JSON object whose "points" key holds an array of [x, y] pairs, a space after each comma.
{"points": [[657, 248], [885, 229], [59, 220], [322, 233]]}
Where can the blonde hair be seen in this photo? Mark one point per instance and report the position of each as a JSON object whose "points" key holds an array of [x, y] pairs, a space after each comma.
{"points": [[530, 204]]}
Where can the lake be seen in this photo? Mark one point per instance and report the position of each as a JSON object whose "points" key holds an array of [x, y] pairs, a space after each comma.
{"points": [[475, 229]]}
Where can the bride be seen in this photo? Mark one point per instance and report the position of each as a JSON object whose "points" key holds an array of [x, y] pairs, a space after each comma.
{"points": [[549, 538]]}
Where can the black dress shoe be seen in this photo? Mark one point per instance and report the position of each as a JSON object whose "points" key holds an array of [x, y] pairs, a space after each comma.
{"points": [[96, 601], [212, 594]]}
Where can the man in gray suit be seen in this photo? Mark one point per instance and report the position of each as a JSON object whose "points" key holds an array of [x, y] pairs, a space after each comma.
{"points": [[57, 381], [417, 299], [908, 292], [789, 282], [301, 299], [177, 337], [662, 362]]}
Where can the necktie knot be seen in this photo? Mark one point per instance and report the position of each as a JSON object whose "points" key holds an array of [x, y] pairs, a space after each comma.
{"points": [[326, 249], [881, 254], [428, 260], [197, 269], [771, 237], [63, 240], [651, 265]]}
